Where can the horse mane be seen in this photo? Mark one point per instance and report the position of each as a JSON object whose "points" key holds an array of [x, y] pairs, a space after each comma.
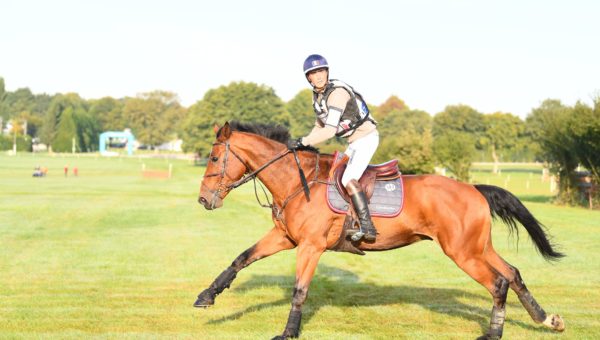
{"points": [[276, 132]]}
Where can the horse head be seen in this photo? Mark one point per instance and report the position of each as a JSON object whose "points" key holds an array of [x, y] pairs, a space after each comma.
{"points": [[223, 170]]}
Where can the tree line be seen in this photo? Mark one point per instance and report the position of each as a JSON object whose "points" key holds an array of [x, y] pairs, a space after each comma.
{"points": [[63, 120], [560, 135]]}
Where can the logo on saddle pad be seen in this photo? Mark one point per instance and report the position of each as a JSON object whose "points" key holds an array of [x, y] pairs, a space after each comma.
{"points": [[390, 187]]}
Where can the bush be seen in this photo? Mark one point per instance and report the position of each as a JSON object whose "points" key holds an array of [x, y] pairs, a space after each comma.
{"points": [[23, 143]]}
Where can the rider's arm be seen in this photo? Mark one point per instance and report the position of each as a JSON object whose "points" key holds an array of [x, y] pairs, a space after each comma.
{"points": [[336, 104]]}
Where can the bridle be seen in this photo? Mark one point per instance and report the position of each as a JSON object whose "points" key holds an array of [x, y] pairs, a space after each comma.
{"points": [[278, 210], [249, 175]]}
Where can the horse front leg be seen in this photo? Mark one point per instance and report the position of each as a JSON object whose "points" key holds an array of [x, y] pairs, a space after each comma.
{"points": [[306, 263], [274, 241]]}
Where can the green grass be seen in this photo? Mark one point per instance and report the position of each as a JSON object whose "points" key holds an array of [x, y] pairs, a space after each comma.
{"points": [[111, 254], [524, 180]]}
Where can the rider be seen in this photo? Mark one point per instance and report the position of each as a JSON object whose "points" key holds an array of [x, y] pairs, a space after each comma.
{"points": [[342, 112]]}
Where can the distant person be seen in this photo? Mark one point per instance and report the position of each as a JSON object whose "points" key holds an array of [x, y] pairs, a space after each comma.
{"points": [[37, 172], [66, 170], [75, 171]]}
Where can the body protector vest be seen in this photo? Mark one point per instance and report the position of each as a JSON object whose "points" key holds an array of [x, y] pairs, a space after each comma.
{"points": [[354, 115]]}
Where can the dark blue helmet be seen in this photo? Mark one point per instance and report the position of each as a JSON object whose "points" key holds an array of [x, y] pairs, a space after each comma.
{"points": [[313, 62]]}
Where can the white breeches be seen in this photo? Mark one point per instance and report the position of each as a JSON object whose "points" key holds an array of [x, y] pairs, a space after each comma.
{"points": [[360, 153]]}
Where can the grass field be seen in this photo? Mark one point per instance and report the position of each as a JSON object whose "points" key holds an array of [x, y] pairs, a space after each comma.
{"points": [[111, 254]]}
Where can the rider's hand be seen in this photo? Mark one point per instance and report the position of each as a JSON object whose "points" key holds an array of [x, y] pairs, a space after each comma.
{"points": [[294, 144]]}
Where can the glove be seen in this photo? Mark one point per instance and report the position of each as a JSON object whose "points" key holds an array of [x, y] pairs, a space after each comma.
{"points": [[294, 144]]}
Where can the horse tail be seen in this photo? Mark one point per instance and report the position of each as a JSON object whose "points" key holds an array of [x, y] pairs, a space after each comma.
{"points": [[505, 205]]}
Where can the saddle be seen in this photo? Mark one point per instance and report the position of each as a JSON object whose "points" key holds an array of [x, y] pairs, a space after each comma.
{"points": [[374, 172], [381, 183]]}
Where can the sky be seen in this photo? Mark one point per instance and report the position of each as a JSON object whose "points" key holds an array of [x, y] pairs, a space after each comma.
{"points": [[494, 56]]}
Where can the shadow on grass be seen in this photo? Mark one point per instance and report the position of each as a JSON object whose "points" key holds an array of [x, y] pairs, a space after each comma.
{"points": [[341, 288]]}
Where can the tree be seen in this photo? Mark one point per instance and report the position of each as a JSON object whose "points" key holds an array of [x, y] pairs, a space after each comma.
{"points": [[65, 133], [585, 129], [455, 150], [78, 126], [88, 131], [301, 113], [109, 113], [406, 135], [502, 131], [154, 117], [2, 89], [567, 137], [393, 103], [237, 101], [457, 131], [35, 118], [549, 126], [42, 103], [459, 118], [3, 111], [14, 103], [23, 143], [59, 104]]}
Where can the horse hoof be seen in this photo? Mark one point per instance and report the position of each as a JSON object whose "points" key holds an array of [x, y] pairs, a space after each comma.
{"points": [[204, 300], [555, 322]]}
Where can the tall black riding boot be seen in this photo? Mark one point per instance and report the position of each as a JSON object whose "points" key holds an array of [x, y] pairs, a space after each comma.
{"points": [[359, 200]]}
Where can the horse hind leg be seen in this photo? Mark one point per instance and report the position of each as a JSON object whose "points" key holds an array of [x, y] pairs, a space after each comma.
{"points": [[553, 321], [499, 293], [537, 313], [496, 284]]}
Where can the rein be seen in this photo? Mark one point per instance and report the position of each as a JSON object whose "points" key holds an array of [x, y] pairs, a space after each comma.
{"points": [[302, 177]]}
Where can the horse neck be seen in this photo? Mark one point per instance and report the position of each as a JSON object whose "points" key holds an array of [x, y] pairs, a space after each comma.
{"points": [[281, 177]]}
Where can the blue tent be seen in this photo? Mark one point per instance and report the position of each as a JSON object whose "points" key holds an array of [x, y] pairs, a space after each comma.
{"points": [[117, 134]]}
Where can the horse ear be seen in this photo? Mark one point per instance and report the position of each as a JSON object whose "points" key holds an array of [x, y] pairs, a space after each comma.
{"points": [[216, 128], [224, 133]]}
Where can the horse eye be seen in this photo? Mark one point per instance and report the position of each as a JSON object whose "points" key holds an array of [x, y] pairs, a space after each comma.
{"points": [[215, 159]]}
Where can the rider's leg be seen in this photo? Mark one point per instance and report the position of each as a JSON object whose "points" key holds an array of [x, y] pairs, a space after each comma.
{"points": [[360, 153], [359, 201]]}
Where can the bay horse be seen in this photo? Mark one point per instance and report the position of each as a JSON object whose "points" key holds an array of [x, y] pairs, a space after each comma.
{"points": [[456, 215]]}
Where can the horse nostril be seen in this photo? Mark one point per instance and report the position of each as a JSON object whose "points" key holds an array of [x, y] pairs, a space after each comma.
{"points": [[202, 200]]}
